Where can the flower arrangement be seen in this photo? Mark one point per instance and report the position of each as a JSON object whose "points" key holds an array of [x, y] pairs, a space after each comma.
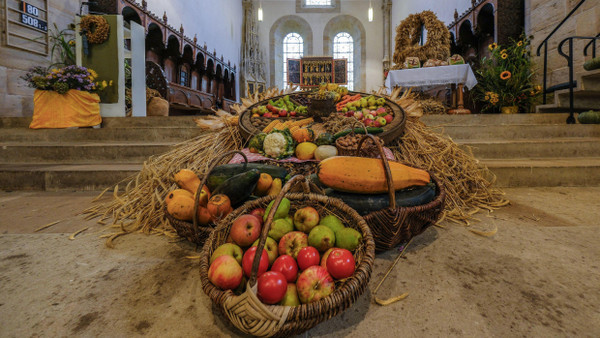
{"points": [[507, 77], [62, 80]]}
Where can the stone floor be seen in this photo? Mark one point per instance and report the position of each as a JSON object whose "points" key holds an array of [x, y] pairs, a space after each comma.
{"points": [[538, 276]]}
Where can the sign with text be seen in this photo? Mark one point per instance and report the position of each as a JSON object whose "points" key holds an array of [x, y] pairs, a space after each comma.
{"points": [[27, 25]]}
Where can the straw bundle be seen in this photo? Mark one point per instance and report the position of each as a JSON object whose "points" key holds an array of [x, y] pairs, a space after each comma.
{"points": [[408, 36]]}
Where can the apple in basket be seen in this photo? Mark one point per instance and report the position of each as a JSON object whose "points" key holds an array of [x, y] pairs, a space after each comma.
{"points": [[287, 266], [292, 242], [341, 264], [271, 247], [306, 218], [324, 258], [308, 257], [245, 230], [271, 287], [228, 249], [248, 259], [314, 284], [225, 273], [259, 213]]}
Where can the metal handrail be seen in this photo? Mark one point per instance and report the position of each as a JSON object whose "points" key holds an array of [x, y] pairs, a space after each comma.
{"points": [[569, 57], [593, 42], [545, 45]]}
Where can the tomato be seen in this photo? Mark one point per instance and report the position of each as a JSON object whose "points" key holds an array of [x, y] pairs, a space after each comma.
{"points": [[271, 287], [248, 259], [307, 257], [287, 266], [340, 263]]}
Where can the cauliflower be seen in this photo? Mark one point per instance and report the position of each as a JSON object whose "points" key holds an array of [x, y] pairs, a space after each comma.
{"points": [[278, 144]]}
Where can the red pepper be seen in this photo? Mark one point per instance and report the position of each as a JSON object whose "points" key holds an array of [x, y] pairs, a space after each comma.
{"points": [[273, 109]]}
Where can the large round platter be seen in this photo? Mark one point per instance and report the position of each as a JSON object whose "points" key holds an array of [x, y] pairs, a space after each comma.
{"points": [[250, 125]]}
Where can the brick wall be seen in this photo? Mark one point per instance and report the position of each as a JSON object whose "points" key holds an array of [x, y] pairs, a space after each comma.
{"points": [[542, 16], [16, 99]]}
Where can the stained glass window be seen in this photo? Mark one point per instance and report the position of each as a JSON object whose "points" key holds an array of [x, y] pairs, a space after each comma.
{"points": [[318, 3], [343, 48], [293, 48]]}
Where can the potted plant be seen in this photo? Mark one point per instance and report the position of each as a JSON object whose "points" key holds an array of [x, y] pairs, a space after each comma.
{"points": [[65, 97], [506, 78]]}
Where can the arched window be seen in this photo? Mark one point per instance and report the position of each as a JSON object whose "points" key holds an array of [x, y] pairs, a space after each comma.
{"points": [[343, 48], [318, 2], [293, 48]]}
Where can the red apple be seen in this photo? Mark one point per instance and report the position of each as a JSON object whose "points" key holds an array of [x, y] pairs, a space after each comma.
{"points": [[259, 213], [314, 284], [267, 114], [388, 118], [249, 259], [228, 249], [376, 123], [287, 266], [271, 287], [293, 113], [349, 113], [368, 122], [245, 230], [292, 242], [306, 218], [341, 264], [380, 110], [324, 258], [225, 273], [283, 113], [271, 247], [291, 296], [308, 257], [358, 115]]}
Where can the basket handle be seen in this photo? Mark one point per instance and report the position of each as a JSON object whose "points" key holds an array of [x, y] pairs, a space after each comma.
{"points": [[203, 182], [386, 167], [267, 226]]}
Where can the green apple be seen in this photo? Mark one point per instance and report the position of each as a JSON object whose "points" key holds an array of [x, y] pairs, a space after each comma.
{"points": [[279, 228], [332, 222], [291, 296], [271, 247], [322, 238], [348, 239], [282, 210], [228, 249]]}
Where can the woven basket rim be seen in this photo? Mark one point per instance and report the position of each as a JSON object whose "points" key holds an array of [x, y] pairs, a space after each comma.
{"points": [[322, 309]]}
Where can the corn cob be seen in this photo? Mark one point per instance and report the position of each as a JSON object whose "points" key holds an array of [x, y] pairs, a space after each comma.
{"points": [[303, 122], [271, 126]]}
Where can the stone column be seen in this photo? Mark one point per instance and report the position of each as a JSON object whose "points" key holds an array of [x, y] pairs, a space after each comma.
{"points": [[386, 6]]}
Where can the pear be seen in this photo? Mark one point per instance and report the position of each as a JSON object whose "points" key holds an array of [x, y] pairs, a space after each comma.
{"points": [[279, 228], [282, 210], [322, 238], [348, 239], [332, 223]]}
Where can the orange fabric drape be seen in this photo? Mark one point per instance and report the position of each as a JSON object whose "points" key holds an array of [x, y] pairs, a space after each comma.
{"points": [[73, 109]]}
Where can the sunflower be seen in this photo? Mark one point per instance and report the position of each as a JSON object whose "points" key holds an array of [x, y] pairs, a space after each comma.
{"points": [[487, 97], [493, 46], [503, 51], [505, 75], [520, 43], [504, 56]]}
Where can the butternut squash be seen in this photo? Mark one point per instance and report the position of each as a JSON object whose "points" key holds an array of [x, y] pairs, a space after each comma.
{"points": [[367, 175], [188, 180]]}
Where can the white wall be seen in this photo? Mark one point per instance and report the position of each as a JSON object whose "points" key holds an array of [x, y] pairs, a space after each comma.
{"points": [[444, 9], [275, 9], [218, 23]]}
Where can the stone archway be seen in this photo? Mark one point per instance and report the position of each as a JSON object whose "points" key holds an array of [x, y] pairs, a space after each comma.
{"points": [[352, 26], [282, 27]]}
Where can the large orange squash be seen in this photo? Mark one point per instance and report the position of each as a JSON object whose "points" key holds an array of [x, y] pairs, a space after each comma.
{"points": [[177, 192], [181, 207], [219, 206], [367, 175], [303, 135]]}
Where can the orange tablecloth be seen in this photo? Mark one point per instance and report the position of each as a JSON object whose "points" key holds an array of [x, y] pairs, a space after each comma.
{"points": [[73, 109]]}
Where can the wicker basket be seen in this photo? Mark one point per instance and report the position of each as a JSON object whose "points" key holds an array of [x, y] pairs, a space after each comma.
{"points": [[250, 315], [192, 231], [396, 225], [369, 150]]}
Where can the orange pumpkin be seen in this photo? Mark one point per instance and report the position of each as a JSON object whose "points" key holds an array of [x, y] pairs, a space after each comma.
{"points": [[188, 180], [177, 192], [204, 216], [181, 207], [219, 206], [303, 135]]}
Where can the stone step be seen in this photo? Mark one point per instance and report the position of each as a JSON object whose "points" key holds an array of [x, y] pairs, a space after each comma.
{"points": [[139, 134], [534, 148], [553, 108], [112, 122], [64, 176], [590, 80], [520, 131], [81, 153], [548, 172], [494, 119], [582, 99]]}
